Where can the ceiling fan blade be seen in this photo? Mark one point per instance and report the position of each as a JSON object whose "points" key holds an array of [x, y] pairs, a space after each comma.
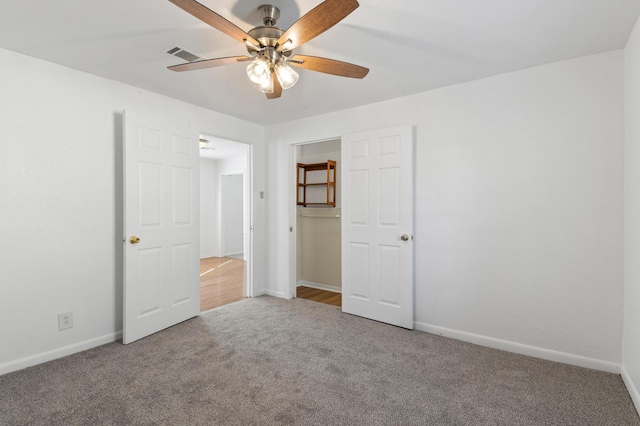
{"points": [[277, 89], [329, 66], [318, 20], [209, 63], [208, 16]]}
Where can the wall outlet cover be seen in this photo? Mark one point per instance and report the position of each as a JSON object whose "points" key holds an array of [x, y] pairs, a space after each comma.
{"points": [[65, 320]]}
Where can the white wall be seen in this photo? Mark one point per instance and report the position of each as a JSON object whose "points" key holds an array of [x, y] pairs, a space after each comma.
{"points": [[209, 217], [631, 340], [518, 203], [319, 249], [61, 202], [233, 165]]}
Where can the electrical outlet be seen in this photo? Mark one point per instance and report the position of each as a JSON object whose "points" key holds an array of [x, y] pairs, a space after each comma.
{"points": [[65, 320]]}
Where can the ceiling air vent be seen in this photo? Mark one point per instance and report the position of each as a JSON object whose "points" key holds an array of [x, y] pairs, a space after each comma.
{"points": [[184, 54]]}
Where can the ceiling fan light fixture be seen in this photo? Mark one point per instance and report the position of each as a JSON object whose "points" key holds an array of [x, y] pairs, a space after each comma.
{"points": [[265, 86], [286, 75], [259, 71]]}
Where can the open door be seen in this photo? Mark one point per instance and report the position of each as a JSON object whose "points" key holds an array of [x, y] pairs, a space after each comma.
{"points": [[161, 225], [377, 225]]}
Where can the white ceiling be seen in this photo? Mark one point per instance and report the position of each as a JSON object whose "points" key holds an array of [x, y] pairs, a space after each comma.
{"points": [[410, 45]]}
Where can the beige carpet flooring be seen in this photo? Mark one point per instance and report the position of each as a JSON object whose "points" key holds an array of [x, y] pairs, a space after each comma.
{"points": [[268, 361]]}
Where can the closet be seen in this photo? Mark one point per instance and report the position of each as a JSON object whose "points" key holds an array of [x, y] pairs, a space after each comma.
{"points": [[318, 210]]}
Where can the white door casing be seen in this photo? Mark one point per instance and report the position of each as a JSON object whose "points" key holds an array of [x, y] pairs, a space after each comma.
{"points": [[161, 208], [377, 213]]}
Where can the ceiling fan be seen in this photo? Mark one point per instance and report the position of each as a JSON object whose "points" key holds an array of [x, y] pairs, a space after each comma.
{"points": [[271, 48]]}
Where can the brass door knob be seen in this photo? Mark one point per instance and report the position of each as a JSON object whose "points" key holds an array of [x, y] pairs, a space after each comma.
{"points": [[134, 240], [404, 237]]}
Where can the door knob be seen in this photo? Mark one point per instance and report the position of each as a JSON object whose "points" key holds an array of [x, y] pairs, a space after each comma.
{"points": [[134, 240], [404, 237]]}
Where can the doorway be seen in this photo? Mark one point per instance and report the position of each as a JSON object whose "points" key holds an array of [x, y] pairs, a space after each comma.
{"points": [[318, 225], [225, 240], [377, 246]]}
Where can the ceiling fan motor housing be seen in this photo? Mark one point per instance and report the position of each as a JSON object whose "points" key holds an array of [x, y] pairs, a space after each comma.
{"points": [[269, 14], [268, 38]]}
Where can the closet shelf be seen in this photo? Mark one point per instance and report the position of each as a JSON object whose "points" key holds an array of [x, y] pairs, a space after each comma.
{"points": [[328, 181]]}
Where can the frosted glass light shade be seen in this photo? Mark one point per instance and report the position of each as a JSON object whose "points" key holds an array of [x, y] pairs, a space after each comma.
{"points": [[266, 86], [258, 71], [286, 75]]}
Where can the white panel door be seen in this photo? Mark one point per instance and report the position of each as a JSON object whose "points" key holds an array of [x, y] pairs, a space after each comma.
{"points": [[161, 208], [377, 225]]}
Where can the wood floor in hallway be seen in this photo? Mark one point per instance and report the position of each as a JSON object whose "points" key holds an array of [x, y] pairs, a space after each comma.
{"points": [[222, 281]]}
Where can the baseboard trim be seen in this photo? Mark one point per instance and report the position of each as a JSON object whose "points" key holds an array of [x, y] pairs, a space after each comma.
{"points": [[274, 293], [518, 348], [319, 286], [205, 256], [40, 358], [631, 388]]}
